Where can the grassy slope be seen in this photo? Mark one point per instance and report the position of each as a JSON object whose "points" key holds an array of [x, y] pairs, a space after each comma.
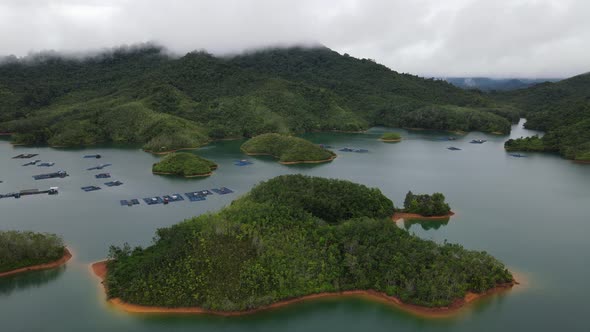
{"points": [[185, 164], [286, 148]]}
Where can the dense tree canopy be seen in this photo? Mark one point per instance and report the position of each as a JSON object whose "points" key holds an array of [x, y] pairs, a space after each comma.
{"points": [[144, 96], [185, 164], [289, 238], [561, 109], [426, 205], [22, 249]]}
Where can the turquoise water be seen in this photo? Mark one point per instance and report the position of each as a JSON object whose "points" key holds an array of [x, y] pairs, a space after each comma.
{"points": [[531, 213]]}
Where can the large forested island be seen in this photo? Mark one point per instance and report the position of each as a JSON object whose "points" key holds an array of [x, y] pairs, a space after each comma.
{"points": [[561, 109], [184, 164], [287, 149], [28, 251], [142, 95], [290, 237]]}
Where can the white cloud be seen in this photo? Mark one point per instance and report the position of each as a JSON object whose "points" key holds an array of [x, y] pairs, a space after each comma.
{"points": [[525, 38]]}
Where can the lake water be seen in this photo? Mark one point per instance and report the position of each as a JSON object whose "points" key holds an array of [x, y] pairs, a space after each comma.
{"points": [[531, 213]]}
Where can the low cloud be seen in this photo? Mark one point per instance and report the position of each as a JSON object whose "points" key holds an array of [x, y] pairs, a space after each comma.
{"points": [[502, 38]]}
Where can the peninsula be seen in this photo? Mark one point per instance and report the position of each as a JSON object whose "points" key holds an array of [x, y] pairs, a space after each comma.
{"points": [[28, 251], [293, 238]]}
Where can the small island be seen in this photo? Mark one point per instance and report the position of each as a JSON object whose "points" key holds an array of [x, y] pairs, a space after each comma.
{"points": [[424, 207], [287, 149], [391, 137], [290, 239], [29, 251], [184, 164]]}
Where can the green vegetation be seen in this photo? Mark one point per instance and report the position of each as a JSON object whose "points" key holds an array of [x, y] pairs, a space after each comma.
{"points": [[562, 109], [287, 149], [293, 236], [533, 143], [426, 205], [392, 137], [23, 249], [140, 95], [185, 164]]}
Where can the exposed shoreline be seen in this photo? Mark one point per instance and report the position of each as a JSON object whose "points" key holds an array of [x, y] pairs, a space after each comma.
{"points": [[45, 266], [293, 162], [413, 216], [175, 150], [186, 176], [99, 269]]}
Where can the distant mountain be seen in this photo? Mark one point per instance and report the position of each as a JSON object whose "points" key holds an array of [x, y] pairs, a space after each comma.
{"points": [[142, 95], [498, 84], [562, 109]]}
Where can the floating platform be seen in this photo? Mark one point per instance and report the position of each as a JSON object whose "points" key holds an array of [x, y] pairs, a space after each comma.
{"points": [[243, 162], [103, 176], [452, 148], [46, 164], [478, 141], [90, 188], [130, 202], [113, 183], [58, 174], [31, 163], [101, 166], [354, 150], [27, 192], [196, 196], [96, 156], [517, 155], [222, 191], [173, 198], [25, 156], [153, 200]]}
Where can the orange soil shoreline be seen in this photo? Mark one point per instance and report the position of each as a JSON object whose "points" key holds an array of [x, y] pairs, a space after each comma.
{"points": [[66, 257], [292, 162], [410, 216], [99, 269], [186, 176]]}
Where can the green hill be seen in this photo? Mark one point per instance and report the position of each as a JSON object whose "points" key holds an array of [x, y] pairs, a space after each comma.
{"points": [[141, 95], [287, 149], [184, 164], [293, 236], [562, 109]]}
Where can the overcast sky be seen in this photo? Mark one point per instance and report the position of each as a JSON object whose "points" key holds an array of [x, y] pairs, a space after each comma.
{"points": [[500, 38]]}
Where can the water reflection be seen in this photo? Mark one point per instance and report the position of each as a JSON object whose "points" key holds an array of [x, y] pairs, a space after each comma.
{"points": [[30, 279], [426, 224]]}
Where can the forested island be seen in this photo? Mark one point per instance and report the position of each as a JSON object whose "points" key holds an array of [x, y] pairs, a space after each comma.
{"points": [[287, 149], [391, 137], [424, 206], [561, 109], [142, 95], [28, 251], [295, 237], [184, 164]]}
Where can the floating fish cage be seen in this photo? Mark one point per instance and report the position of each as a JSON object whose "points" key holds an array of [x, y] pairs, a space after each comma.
{"points": [[222, 191], [153, 200], [90, 188], [103, 176], [113, 183], [131, 202]]}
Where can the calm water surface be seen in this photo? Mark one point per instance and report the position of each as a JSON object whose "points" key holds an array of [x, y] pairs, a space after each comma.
{"points": [[531, 213]]}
